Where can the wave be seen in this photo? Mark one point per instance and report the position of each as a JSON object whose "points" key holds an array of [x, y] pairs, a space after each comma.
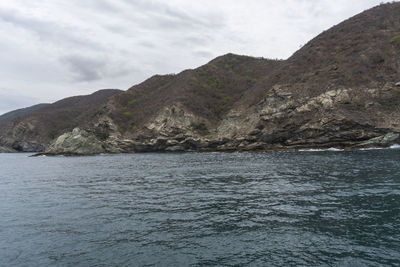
{"points": [[371, 148], [319, 149], [394, 146]]}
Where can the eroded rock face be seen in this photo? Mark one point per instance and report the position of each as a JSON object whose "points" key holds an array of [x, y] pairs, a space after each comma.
{"points": [[6, 150], [80, 142], [382, 141], [337, 118], [176, 120], [21, 138], [278, 122]]}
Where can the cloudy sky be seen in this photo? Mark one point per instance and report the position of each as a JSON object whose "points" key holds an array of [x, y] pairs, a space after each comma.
{"points": [[51, 49]]}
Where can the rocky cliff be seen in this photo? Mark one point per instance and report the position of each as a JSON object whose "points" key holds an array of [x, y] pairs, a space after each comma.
{"points": [[32, 129], [340, 90]]}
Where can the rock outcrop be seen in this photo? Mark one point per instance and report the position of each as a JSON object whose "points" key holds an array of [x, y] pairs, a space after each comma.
{"points": [[386, 140], [79, 142], [7, 150], [32, 129]]}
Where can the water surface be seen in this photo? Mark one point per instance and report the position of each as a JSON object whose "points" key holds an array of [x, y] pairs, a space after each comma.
{"points": [[196, 209]]}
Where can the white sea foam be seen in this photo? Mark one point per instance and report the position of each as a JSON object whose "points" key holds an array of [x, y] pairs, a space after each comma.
{"points": [[372, 148], [334, 149], [394, 146], [319, 150]]}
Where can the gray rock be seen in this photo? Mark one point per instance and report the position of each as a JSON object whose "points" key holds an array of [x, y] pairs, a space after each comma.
{"points": [[397, 84], [382, 141], [175, 149], [79, 142], [4, 149], [255, 132], [191, 143], [256, 146], [172, 142], [142, 147], [27, 146]]}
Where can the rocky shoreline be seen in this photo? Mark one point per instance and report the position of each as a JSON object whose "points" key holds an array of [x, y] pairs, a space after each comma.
{"points": [[83, 143]]}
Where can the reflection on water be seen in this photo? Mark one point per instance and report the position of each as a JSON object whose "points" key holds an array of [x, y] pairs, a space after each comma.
{"points": [[304, 208]]}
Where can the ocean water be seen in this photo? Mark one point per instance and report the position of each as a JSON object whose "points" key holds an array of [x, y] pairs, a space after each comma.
{"points": [[314, 208]]}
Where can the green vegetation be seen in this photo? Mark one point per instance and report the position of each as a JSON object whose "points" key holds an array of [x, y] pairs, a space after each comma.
{"points": [[204, 85], [199, 126], [193, 80], [396, 40], [213, 83], [227, 98], [233, 60], [210, 82], [230, 63], [132, 102], [128, 114], [52, 134]]}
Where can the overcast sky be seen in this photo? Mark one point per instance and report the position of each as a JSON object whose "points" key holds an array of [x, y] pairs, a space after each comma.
{"points": [[51, 49]]}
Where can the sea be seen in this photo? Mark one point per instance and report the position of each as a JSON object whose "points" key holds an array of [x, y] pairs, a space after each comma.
{"points": [[307, 208]]}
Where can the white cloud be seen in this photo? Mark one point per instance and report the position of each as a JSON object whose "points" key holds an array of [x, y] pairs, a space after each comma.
{"points": [[52, 49]]}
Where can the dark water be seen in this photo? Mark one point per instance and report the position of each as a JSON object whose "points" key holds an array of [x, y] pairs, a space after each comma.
{"points": [[260, 209]]}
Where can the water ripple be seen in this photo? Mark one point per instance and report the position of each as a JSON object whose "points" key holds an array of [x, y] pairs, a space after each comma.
{"points": [[322, 208]]}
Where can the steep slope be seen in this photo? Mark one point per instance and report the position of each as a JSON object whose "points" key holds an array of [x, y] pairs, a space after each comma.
{"points": [[360, 51], [207, 92], [338, 90], [33, 130]]}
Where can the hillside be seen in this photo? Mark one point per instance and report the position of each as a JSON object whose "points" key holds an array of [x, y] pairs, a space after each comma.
{"points": [[361, 51], [208, 92], [7, 117], [35, 127], [339, 90]]}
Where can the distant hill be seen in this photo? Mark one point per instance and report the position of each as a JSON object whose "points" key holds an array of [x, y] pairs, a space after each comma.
{"points": [[6, 117], [33, 128], [342, 89]]}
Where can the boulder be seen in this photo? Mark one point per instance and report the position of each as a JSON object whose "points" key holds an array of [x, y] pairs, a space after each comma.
{"points": [[382, 141], [79, 142]]}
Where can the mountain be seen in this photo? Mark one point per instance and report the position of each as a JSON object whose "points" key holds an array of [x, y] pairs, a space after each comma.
{"points": [[208, 92], [33, 128], [338, 90], [342, 89]]}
